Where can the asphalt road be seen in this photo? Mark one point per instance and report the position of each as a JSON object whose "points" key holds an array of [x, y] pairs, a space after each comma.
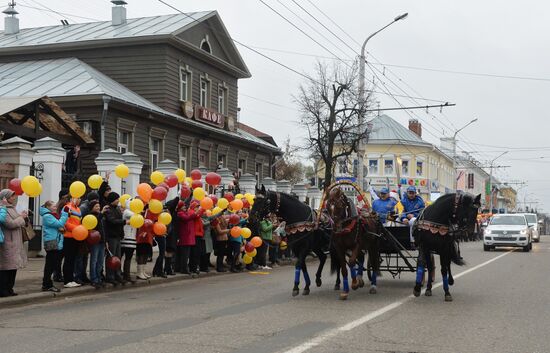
{"points": [[500, 305]]}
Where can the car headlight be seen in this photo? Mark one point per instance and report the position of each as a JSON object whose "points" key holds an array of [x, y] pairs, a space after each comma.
{"points": [[487, 231], [523, 231]]}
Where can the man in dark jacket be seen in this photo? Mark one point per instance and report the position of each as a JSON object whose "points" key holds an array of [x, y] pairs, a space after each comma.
{"points": [[103, 192], [114, 232]]}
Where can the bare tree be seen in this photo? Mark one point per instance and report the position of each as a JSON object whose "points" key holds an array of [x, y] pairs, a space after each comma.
{"points": [[289, 167], [331, 110]]}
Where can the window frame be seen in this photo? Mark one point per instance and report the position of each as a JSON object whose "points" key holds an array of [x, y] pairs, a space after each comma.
{"points": [[120, 144], [241, 171], [154, 153], [421, 163], [392, 166], [405, 162], [189, 84], [183, 156], [207, 91], [375, 160], [156, 134], [206, 154], [223, 105]]}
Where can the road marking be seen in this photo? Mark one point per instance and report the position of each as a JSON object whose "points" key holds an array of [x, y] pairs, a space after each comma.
{"points": [[370, 316]]}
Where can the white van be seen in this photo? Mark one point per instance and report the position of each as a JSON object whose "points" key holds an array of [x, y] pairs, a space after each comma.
{"points": [[534, 225]]}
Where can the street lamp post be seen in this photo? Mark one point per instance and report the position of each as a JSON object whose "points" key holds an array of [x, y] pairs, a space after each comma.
{"points": [[491, 181], [362, 61], [454, 150]]}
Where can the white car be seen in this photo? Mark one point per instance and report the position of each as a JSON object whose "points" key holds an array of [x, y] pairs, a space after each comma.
{"points": [[508, 230], [534, 225]]}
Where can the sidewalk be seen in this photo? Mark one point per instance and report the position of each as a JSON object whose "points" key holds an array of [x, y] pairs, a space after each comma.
{"points": [[28, 284]]}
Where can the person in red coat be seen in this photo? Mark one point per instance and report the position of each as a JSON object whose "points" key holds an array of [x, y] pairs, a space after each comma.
{"points": [[199, 248], [186, 237]]}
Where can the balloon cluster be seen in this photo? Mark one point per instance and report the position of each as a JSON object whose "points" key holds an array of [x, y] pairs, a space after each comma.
{"points": [[250, 249], [28, 185]]}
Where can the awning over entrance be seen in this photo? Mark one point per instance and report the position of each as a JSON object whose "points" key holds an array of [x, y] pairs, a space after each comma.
{"points": [[37, 117]]}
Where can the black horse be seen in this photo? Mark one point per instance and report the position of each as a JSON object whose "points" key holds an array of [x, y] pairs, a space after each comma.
{"points": [[437, 230], [303, 236]]}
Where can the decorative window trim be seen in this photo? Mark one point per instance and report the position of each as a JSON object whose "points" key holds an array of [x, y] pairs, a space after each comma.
{"points": [[223, 86], [208, 90], [185, 140], [125, 124], [187, 70], [207, 41]]}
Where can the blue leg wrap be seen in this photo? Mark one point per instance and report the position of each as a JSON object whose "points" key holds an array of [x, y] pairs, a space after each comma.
{"points": [[445, 283], [306, 278], [419, 274], [346, 285], [353, 271], [360, 270], [373, 278], [297, 275]]}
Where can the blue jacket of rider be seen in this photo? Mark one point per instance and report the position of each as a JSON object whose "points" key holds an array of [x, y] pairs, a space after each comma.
{"points": [[414, 206], [383, 207]]}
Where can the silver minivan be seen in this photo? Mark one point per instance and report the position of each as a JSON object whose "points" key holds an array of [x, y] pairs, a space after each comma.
{"points": [[508, 230]]}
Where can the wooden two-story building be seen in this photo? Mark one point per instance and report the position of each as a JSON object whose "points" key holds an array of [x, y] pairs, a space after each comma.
{"points": [[163, 87]]}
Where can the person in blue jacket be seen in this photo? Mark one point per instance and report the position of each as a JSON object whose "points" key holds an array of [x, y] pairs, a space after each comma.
{"points": [[384, 205], [412, 205], [3, 215], [52, 235]]}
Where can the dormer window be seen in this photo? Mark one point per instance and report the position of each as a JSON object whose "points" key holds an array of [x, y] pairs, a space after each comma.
{"points": [[205, 45]]}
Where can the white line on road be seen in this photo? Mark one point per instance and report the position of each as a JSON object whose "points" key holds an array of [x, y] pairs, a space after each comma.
{"points": [[364, 319]]}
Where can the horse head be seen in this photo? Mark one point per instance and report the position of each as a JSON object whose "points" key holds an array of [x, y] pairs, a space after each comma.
{"points": [[465, 210], [337, 205], [261, 208]]}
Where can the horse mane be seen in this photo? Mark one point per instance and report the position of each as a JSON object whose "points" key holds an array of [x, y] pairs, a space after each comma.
{"points": [[291, 209], [442, 209]]}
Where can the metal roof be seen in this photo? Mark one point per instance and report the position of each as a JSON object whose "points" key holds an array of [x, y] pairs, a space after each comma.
{"points": [[80, 32], [386, 130], [10, 104], [70, 77]]}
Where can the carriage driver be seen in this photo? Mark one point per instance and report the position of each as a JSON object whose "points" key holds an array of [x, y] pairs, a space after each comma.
{"points": [[384, 206], [412, 206]]}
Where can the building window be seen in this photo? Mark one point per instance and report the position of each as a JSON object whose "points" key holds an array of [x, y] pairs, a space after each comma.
{"points": [[405, 168], [183, 153], [204, 158], [242, 167], [419, 168], [185, 84], [258, 173], [388, 166], [222, 100], [222, 160], [205, 45], [155, 153], [205, 93], [373, 166], [123, 141], [342, 166], [470, 180]]}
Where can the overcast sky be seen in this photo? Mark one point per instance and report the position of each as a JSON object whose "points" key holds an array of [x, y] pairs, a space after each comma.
{"points": [[481, 37]]}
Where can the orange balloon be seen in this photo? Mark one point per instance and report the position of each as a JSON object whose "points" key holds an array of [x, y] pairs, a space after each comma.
{"points": [[236, 232], [256, 241], [207, 203], [145, 191], [159, 228], [236, 205], [80, 233]]}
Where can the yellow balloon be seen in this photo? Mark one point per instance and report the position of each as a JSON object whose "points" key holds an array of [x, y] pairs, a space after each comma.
{"points": [[283, 245], [155, 206], [123, 200], [239, 196], [223, 203], [122, 171], [180, 173], [77, 189], [136, 206], [165, 218], [31, 186], [188, 180], [95, 181], [199, 194], [252, 253], [136, 221], [89, 222], [216, 210], [249, 198], [157, 177], [246, 232], [247, 259]]}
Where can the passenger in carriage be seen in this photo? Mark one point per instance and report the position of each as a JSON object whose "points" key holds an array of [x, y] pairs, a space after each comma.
{"points": [[413, 204], [384, 206]]}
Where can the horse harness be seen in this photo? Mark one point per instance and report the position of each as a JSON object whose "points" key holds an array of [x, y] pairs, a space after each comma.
{"points": [[439, 228]]}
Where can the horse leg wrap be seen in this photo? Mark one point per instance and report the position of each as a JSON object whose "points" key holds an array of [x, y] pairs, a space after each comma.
{"points": [[373, 278], [306, 278], [297, 276], [419, 274], [346, 285], [445, 283], [353, 271]]}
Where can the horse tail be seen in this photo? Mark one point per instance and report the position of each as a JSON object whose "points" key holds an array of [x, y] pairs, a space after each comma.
{"points": [[455, 255]]}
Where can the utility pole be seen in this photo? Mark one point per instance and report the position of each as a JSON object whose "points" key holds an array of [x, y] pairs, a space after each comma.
{"points": [[455, 185], [491, 181]]}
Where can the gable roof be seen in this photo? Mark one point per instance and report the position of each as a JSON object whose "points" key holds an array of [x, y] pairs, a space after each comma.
{"points": [[165, 27], [262, 135], [386, 130]]}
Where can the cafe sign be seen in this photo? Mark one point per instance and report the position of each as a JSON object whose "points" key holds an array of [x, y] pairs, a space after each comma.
{"points": [[209, 116]]}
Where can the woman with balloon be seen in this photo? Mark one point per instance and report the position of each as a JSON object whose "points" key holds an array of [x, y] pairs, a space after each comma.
{"points": [[114, 233], [52, 222], [73, 230], [96, 241], [128, 243]]}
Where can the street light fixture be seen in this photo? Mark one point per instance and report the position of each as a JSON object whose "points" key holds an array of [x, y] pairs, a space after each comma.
{"points": [[491, 180], [454, 150], [362, 62]]}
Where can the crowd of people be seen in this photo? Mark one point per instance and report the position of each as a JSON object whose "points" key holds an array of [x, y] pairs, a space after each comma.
{"points": [[192, 239]]}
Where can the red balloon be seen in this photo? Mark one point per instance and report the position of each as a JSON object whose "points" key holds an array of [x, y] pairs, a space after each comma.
{"points": [[113, 263], [234, 219], [249, 247], [171, 180], [213, 179], [196, 174], [229, 196], [15, 186], [93, 237], [151, 216], [159, 193], [164, 185], [214, 198], [185, 192], [196, 184], [246, 204]]}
